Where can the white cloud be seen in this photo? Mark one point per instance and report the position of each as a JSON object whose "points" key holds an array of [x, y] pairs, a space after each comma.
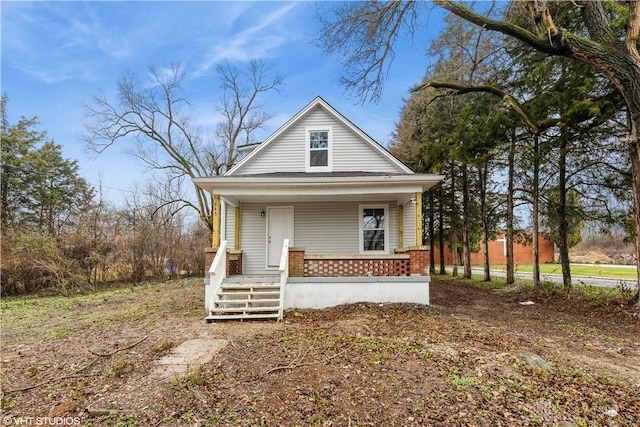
{"points": [[258, 41], [58, 41], [55, 42]]}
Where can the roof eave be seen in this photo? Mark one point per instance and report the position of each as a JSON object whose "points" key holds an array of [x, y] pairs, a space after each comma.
{"points": [[230, 185]]}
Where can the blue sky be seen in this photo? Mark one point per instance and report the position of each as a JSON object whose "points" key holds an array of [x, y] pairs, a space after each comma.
{"points": [[56, 55]]}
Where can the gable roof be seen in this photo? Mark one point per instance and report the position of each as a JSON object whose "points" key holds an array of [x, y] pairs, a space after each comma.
{"points": [[318, 101]]}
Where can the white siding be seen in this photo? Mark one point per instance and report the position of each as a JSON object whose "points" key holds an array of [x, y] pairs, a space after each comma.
{"points": [[253, 238], [327, 228], [283, 155], [322, 228], [229, 226], [350, 152], [409, 225]]}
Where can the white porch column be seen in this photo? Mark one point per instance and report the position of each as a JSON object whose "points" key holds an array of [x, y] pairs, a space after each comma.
{"points": [[236, 229], [400, 226]]}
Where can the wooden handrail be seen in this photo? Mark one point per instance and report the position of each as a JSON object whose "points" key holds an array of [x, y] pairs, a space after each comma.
{"points": [[284, 275], [217, 273]]}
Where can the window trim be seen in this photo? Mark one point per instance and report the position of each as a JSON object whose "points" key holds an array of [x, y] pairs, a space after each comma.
{"points": [[307, 150], [386, 229]]}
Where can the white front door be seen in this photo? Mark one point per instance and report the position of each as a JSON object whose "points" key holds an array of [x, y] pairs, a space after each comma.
{"points": [[279, 227]]}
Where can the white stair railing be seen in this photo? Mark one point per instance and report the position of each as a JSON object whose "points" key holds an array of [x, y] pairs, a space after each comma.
{"points": [[217, 273], [284, 275]]}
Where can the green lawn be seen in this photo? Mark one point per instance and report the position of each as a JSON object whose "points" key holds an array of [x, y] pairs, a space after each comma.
{"points": [[596, 270], [23, 316]]}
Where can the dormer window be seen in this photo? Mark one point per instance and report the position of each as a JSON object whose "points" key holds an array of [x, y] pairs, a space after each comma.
{"points": [[319, 150]]}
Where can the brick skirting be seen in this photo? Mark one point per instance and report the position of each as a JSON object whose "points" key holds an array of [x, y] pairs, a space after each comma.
{"points": [[209, 255], [356, 267], [408, 262], [234, 261], [413, 261]]}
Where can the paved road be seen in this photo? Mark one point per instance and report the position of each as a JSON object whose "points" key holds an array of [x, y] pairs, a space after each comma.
{"points": [[592, 281]]}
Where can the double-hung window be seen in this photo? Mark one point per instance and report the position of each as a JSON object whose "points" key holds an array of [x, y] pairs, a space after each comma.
{"points": [[374, 230], [319, 150]]}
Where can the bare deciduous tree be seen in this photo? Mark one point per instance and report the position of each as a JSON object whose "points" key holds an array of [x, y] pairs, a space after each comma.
{"points": [[155, 115]]}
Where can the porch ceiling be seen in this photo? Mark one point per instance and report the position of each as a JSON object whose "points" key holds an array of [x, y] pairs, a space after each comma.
{"points": [[302, 187]]}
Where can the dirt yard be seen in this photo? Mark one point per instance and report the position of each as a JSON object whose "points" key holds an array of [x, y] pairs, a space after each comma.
{"points": [[476, 357]]}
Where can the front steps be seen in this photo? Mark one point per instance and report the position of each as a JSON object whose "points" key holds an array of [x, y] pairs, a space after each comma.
{"points": [[240, 298]]}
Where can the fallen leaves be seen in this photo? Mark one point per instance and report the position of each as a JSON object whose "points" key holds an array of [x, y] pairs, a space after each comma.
{"points": [[455, 363]]}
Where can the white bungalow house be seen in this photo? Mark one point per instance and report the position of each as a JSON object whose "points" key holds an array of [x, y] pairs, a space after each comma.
{"points": [[317, 215]]}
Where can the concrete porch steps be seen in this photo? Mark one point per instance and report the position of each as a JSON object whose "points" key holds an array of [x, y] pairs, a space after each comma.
{"points": [[240, 298]]}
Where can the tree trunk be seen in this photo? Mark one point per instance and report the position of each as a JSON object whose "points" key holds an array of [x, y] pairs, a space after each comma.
{"points": [[535, 193], [482, 184], [509, 232], [443, 268], [634, 154], [562, 213], [432, 232], [466, 244], [454, 221]]}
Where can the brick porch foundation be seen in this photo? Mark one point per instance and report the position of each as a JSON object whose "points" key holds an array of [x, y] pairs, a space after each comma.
{"points": [[413, 261], [406, 262], [234, 261]]}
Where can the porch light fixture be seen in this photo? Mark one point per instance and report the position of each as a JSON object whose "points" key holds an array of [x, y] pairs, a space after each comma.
{"points": [[262, 214]]}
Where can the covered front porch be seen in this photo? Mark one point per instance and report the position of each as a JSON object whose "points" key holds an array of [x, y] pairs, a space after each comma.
{"points": [[329, 239], [336, 280], [326, 214]]}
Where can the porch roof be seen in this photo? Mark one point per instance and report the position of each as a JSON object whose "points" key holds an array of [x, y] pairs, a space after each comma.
{"points": [[302, 186]]}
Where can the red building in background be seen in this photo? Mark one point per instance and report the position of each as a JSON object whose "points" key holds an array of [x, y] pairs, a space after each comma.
{"points": [[522, 251]]}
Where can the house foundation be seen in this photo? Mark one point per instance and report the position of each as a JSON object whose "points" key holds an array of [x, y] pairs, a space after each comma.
{"points": [[323, 292]]}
